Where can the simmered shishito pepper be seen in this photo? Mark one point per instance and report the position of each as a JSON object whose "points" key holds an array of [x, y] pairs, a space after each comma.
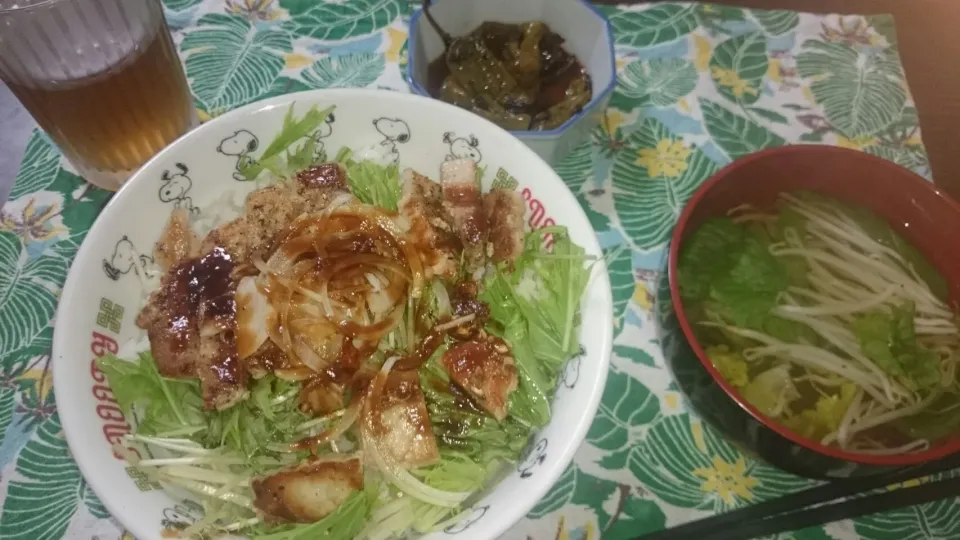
{"points": [[516, 75]]}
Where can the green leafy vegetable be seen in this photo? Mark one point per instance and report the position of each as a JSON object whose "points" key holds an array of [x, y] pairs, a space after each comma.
{"points": [[546, 289], [292, 131], [457, 471], [709, 253], [731, 365], [825, 416], [468, 432], [730, 266], [749, 290], [536, 304], [270, 415], [168, 405], [373, 183], [771, 391], [345, 523], [889, 339]]}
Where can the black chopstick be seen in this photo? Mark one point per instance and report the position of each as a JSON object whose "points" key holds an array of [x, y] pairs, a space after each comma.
{"points": [[849, 509], [779, 510]]}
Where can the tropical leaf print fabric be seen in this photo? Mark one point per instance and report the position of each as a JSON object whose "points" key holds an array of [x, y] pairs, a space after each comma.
{"points": [[699, 86]]}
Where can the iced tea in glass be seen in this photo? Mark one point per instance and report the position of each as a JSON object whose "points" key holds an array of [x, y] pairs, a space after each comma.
{"points": [[101, 77]]}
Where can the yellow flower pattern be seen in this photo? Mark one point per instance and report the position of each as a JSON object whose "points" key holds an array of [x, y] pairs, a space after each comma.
{"points": [[727, 480], [703, 51], [856, 143], [297, 60], [668, 159], [729, 78], [33, 223], [262, 10], [396, 39]]}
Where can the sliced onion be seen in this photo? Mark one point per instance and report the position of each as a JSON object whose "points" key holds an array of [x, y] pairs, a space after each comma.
{"points": [[399, 477], [455, 323], [443, 298], [345, 422]]}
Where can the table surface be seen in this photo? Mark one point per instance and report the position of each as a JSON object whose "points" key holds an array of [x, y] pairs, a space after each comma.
{"points": [[649, 462]]}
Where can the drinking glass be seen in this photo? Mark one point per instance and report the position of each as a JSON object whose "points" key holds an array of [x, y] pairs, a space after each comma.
{"points": [[101, 77]]}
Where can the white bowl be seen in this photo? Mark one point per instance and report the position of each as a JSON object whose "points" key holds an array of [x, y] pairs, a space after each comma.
{"points": [[102, 292], [588, 37]]}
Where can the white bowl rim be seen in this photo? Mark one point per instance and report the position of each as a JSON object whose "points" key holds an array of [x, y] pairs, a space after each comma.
{"points": [[599, 283]]}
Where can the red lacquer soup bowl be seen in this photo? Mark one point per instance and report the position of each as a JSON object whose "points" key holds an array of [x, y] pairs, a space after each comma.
{"points": [[922, 214]]}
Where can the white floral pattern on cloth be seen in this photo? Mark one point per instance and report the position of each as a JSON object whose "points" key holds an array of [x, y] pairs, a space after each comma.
{"points": [[700, 85]]}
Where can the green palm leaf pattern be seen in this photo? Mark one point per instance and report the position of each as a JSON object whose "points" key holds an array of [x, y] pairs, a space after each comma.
{"points": [[688, 465], [27, 297], [775, 23], [736, 135], [333, 21], [911, 157], [648, 205], [42, 501], [286, 85], [658, 83], [738, 66], [622, 282], [932, 520], [565, 491], [180, 5], [41, 161], [629, 515], [626, 406], [348, 71], [229, 63], [634, 355], [635, 516], [575, 168], [861, 93], [8, 393], [658, 24]]}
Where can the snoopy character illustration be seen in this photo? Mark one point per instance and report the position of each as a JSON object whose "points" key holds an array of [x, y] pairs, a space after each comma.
{"points": [[180, 516], [571, 371], [462, 147], [324, 131], [175, 187], [468, 520], [240, 145], [534, 459], [124, 259], [394, 131]]}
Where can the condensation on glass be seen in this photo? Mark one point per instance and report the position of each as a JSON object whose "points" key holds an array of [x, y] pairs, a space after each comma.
{"points": [[101, 77]]}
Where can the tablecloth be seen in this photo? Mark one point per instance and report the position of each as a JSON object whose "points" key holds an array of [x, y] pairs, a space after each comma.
{"points": [[699, 86]]}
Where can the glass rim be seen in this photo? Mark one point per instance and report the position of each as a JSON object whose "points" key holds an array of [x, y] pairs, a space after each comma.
{"points": [[6, 8], [15, 8]]}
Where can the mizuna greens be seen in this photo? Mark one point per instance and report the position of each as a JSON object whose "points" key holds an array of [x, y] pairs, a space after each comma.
{"points": [[827, 321], [215, 456]]}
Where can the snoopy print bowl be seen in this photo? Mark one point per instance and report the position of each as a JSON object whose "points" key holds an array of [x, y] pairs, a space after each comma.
{"points": [[201, 172]]}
